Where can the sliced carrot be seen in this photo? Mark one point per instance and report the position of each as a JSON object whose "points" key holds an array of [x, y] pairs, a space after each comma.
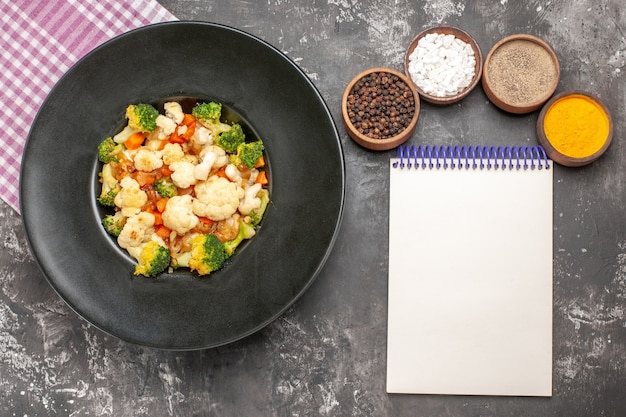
{"points": [[134, 141], [161, 203], [176, 138], [221, 172], [261, 178], [191, 129], [144, 178], [260, 162], [206, 220], [188, 119], [158, 218], [162, 144], [163, 232], [166, 171]]}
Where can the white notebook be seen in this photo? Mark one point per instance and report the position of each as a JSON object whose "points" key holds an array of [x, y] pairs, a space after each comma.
{"points": [[470, 271]]}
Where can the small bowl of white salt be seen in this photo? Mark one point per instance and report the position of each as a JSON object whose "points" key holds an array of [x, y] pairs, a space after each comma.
{"points": [[445, 64]]}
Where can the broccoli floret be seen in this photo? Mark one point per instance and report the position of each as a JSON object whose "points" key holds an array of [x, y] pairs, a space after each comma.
{"points": [[246, 231], [107, 198], [207, 113], [247, 154], [153, 259], [114, 223], [207, 254], [165, 187], [142, 117], [231, 139], [108, 150], [257, 215]]}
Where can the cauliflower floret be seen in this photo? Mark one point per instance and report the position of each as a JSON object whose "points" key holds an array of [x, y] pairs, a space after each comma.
{"points": [[213, 157], [233, 173], [137, 230], [158, 239], [172, 152], [153, 142], [131, 197], [201, 136], [250, 201], [165, 125], [174, 111], [135, 251], [221, 159], [130, 153], [192, 159], [182, 175], [178, 214], [254, 173], [148, 160], [217, 198], [201, 171]]}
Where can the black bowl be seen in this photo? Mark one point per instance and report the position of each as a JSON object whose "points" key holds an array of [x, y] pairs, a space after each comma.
{"points": [[58, 185]]}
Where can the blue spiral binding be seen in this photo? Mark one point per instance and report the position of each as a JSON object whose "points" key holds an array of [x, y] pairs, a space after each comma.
{"points": [[472, 157]]}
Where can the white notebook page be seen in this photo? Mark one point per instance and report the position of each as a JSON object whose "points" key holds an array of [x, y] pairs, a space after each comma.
{"points": [[470, 282]]}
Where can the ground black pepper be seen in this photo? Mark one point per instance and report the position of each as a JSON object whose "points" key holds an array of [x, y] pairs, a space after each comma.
{"points": [[380, 105], [522, 72]]}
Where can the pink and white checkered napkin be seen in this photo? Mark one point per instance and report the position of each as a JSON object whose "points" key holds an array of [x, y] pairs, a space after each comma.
{"points": [[39, 41]]}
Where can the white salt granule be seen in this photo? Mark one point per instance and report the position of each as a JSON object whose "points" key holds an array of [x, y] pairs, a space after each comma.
{"points": [[442, 65]]}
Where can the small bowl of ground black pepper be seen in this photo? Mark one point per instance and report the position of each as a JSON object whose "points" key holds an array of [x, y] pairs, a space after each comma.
{"points": [[520, 73], [445, 63], [380, 108]]}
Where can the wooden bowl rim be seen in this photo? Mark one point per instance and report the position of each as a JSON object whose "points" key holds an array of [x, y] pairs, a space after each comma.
{"points": [[465, 37], [559, 157], [499, 101], [372, 143]]}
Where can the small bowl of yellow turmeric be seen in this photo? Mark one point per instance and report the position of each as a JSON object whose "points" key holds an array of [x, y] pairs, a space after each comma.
{"points": [[575, 128]]}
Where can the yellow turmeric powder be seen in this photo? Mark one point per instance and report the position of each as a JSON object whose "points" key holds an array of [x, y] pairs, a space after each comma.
{"points": [[576, 125]]}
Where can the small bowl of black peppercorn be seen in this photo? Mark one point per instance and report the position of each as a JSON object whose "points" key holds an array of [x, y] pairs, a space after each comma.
{"points": [[380, 108]]}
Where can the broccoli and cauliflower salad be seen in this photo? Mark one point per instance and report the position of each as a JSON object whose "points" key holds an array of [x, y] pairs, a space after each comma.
{"points": [[184, 189]]}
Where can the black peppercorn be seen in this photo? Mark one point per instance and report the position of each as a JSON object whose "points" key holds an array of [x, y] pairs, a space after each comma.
{"points": [[380, 105]]}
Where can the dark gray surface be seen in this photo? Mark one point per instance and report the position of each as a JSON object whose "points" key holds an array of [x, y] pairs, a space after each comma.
{"points": [[326, 355]]}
